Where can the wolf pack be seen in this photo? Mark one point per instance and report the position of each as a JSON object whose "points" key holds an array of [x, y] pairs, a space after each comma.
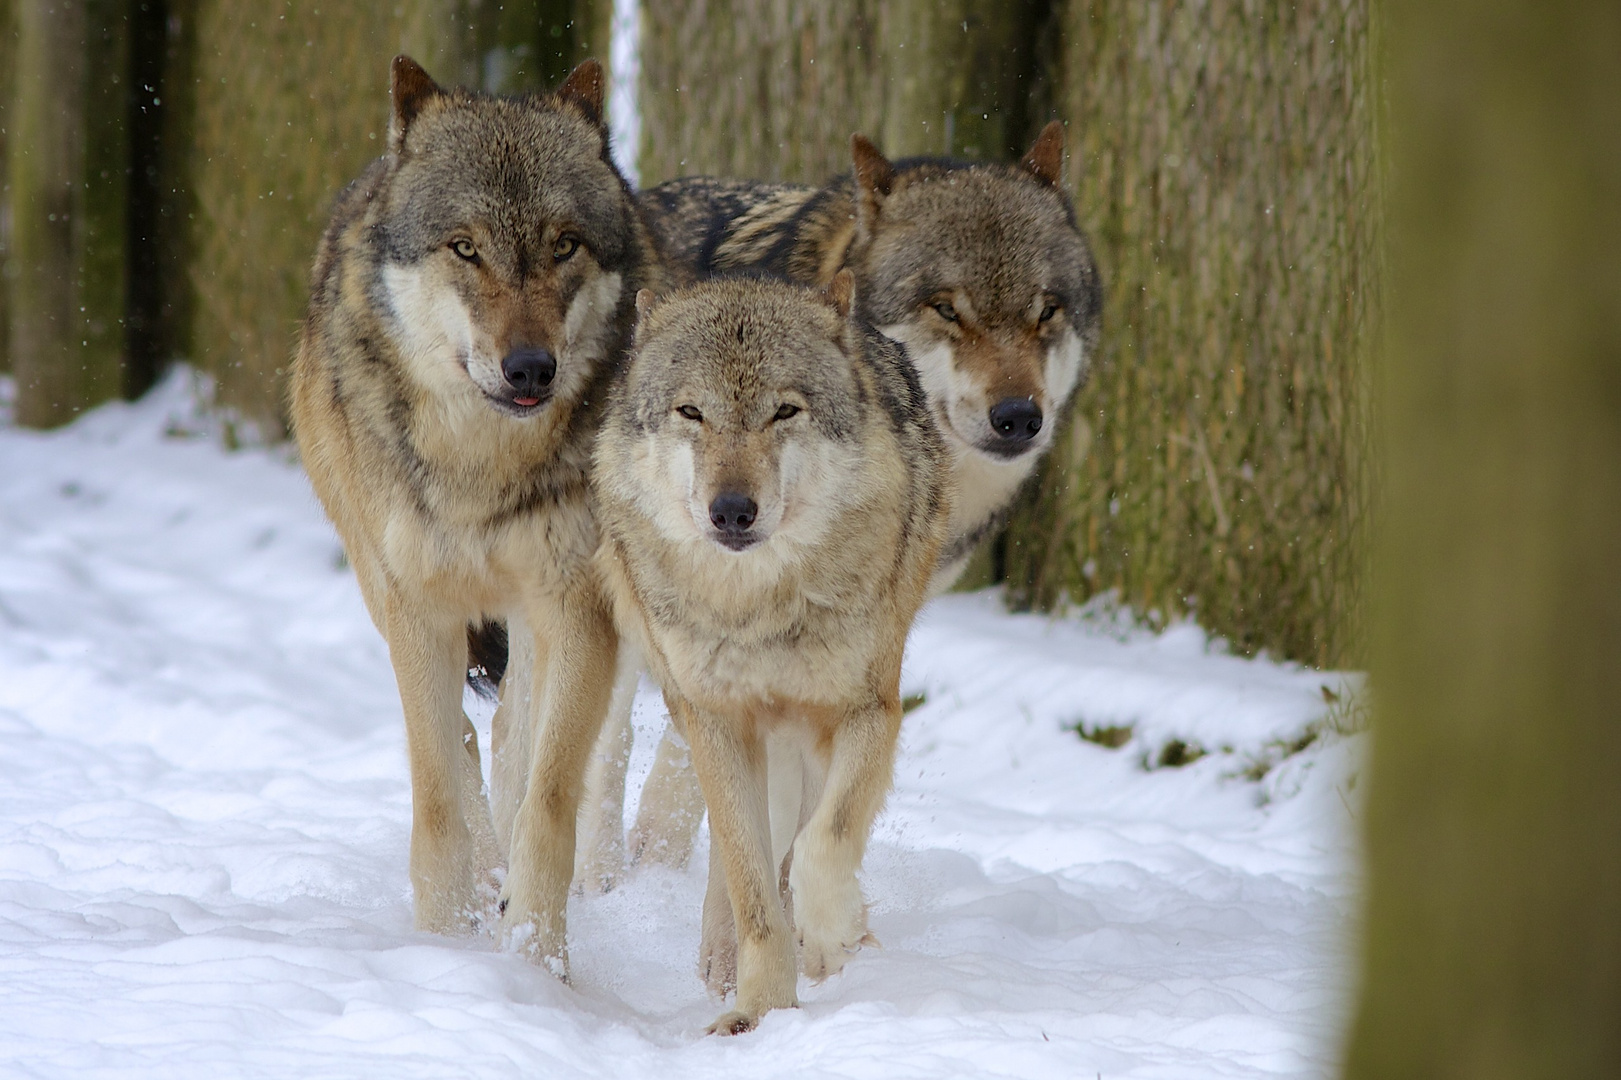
{"points": [[725, 433]]}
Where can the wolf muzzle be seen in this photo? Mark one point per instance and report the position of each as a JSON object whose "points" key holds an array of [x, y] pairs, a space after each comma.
{"points": [[529, 372], [732, 514], [1016, 422]]}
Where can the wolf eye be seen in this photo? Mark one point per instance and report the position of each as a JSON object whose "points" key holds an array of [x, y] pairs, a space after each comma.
{"points": [[1048, 312], [690, 412], [786, 411], [464, 248], [946, 310], [565, 246]]}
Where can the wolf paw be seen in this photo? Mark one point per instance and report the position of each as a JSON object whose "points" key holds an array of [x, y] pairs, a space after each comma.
{"points": [[827, 943], [733, 1023], [537, 937]]}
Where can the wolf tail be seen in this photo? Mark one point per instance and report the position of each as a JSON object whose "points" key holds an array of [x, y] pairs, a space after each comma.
{"points": [[486, 657]]}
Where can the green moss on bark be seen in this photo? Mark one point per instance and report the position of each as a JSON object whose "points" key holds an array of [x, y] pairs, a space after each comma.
{"points": [[67, 151], [1222, 160]]}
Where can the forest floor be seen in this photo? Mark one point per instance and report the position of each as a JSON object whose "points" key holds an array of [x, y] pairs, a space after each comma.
{"points": [[204, 819]]}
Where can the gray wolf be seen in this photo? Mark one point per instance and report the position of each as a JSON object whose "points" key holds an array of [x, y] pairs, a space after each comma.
{"points": [[472, 299], [773, 496], [980, 270]]}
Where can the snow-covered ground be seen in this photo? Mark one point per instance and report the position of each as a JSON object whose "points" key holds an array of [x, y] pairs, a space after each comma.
{"points": [[204, 816]]}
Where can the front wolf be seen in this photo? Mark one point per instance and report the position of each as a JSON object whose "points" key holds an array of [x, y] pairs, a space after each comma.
{"points": [[773, 496], [979, 269], [471, 298]]}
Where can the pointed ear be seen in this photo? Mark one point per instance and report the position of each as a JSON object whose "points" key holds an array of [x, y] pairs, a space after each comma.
{"points": [[841, 292], [411, 89], [1045, 161], [875, 177], [645, 303], [585, 86]]}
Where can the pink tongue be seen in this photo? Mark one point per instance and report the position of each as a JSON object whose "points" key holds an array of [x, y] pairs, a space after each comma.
{"points": [[526, 401]]}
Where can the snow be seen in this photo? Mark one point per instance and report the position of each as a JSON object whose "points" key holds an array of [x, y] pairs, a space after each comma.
{"points": [[204, 818]]}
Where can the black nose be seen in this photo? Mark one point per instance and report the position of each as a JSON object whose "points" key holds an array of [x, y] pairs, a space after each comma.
{"points": [[1016, 418], [732, 513], [529, 371]]}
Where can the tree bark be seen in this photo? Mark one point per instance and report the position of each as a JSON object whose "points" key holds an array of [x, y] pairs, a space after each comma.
{"points": [[68, 178], [8, 86], [1216, 463], [1493, 923], [774, 90], [292, 101]]}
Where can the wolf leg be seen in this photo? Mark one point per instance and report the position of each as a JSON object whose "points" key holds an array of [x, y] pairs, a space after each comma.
{"points": [[429, 663], [731, 767], [672, 806], [829, 912], [511, 734], [601, 852], [578, 683], [476, 812], [717, 948]]}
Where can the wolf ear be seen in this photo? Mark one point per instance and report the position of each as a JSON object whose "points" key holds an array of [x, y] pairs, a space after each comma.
{"points": [[1045, 161], [841, 292], [645, 303], [584, 86], [411, 89], [875, 177]]}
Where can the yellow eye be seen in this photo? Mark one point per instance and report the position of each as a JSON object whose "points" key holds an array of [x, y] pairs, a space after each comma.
{"points": [[786, 412], [946, 310], [690, 412], [464, 248], [565, 246]]}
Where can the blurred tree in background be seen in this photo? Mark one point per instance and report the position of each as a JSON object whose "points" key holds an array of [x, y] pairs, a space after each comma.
{"points": [[1220, 159], [1493, 925], [67, 150], [772, 89], [8, 61]]}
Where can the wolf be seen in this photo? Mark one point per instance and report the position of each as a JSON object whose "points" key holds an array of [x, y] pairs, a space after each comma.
{"points": [[980, 270], [773, 497], [472, 299]]}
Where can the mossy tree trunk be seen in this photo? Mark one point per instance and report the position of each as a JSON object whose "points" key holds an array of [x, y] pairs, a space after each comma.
{"points": [[8, 85], [1221, 158], [292, 101], [1493, 925], [68, 170], [774, 90]]}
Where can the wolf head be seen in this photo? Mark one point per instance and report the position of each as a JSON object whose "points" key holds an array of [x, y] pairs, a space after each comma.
{"points": [[741, 423], [981, 271], [505, 238]]}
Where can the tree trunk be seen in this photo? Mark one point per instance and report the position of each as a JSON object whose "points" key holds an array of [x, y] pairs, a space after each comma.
{"points": [[67, 167], [1215, 464], [774, 90], [292, 102], [1493, 925], [8, 81]]}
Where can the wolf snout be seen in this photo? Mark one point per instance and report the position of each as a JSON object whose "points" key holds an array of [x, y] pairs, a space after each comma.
{"points": [[529, 372], [733, 514], [1016, 421]]}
